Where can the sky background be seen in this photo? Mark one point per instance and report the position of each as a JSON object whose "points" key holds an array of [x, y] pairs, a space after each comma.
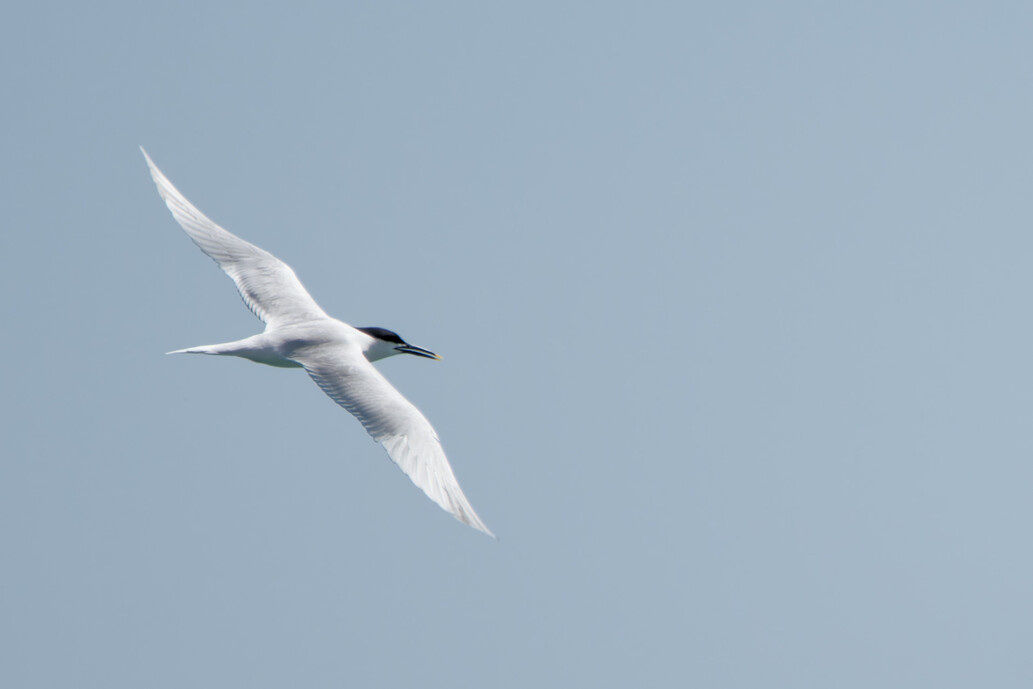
{"points": [[733, 300]]}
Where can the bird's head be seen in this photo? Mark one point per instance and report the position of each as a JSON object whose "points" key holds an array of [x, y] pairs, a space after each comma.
{"points": [[388, 343]]}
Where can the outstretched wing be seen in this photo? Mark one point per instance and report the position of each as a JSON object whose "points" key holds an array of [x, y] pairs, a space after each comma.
{"points": [[394, 422], [268, 285]]}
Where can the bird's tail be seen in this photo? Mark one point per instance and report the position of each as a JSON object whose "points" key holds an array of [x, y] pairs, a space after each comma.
{"points": [[239, 348], [203, 349], [255, 348]]}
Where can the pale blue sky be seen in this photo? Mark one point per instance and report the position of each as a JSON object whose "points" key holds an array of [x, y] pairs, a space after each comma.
{"points": [[734, 304]]}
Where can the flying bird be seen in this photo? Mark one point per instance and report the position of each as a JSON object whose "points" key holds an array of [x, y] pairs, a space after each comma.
{"points": [[337, 356]]}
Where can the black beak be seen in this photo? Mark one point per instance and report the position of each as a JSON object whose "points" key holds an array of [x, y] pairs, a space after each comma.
{"points": [[418, 351]]}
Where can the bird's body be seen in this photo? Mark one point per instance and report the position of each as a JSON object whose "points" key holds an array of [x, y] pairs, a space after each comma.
{"points": [[337, 356]]}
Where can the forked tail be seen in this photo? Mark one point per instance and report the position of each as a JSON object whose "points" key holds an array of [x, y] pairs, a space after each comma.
{"points": [[205, 349], [257, 348]]}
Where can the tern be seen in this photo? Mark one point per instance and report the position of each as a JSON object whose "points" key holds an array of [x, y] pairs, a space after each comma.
{"points": [[337, 356]]}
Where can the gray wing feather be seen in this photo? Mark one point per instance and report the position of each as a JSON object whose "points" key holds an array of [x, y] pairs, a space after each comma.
{"points": [[267, 285], [395, 423]]}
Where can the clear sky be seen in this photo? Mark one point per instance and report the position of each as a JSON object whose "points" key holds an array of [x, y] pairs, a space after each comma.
{"points": [[733, 300]]}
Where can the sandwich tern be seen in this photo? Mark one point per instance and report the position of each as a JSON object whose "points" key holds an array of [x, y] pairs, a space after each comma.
{"points": [[299, 334]]}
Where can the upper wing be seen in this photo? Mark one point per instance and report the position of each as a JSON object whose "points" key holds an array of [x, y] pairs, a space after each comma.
{"points": [[268, 285], [394, 422]]}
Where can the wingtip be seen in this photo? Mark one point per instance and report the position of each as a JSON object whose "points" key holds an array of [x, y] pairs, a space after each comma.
{"points": [[482, 528], [162, 182], [479, 525], [151, 167]]}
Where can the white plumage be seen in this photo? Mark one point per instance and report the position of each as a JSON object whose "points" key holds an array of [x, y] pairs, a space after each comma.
{"points": [[299, 333]]}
